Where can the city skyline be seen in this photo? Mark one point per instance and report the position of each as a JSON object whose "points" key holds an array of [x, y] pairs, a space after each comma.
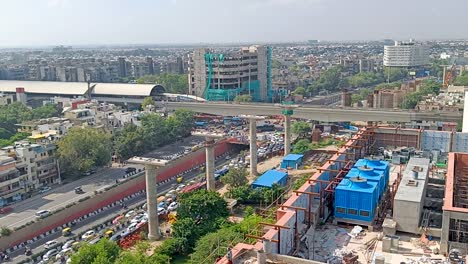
{"points": [[123, 22]]}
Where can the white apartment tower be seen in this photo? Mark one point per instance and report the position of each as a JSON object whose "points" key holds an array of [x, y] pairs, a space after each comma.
{"points": [[405, 54]]}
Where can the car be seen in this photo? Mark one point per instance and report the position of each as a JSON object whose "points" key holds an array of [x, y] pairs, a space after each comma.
{"points": [[86, 173], [173, 206], [162, 204], [50, 244], [45, 189], [130, 213], [88, 235], [137, 219], [180, 187], [161, 211], [42, 213], [68, 244], [63, 253], [132, 227], [50, 254], [130, 170], [117, 219], [79, 190]]}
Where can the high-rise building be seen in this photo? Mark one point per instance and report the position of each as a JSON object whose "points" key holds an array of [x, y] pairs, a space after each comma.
{"points": [[221, 77], [150, 63], [123, 71], [405, 54]]}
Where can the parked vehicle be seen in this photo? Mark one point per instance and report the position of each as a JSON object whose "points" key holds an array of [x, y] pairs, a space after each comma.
{"points": [[50, 244], [88, 235], [78, 190], [42, 213]]}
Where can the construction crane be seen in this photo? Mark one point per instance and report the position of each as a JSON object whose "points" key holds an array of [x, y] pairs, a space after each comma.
{"points": [[448, 75]]}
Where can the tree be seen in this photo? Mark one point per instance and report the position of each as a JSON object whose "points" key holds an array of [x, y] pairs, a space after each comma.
{"points": [[147, 101], [301, 128], [83, 148], [46, 111], [244, 98], [103, 252], [362, 95], [215, 244], [154, 132], [299, 91], [245, 194], [393, 74], [364, 79], [5, 231], [208, 205], [301, 146], [329, 80], [173, 83], [462, 80], [235, 177]]}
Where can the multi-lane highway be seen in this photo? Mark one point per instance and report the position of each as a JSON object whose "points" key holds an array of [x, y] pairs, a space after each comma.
{"points": [[60, 196], [100, 218], [319, 113]]}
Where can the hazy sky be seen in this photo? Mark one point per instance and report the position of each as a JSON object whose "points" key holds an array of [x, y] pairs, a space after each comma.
{"points": [[74, 22]]}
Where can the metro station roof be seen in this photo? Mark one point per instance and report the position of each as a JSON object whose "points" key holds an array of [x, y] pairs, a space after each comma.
{"points": [[80, 88]]}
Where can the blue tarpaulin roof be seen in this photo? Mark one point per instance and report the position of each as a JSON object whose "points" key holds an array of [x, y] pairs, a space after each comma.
{"points": [[269, 178], [293, 157]]}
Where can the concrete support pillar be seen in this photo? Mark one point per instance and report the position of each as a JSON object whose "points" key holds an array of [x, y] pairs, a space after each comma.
{"points": [[210, 164], [287, 134], [261, 257], [253, 147], [151, 197]]}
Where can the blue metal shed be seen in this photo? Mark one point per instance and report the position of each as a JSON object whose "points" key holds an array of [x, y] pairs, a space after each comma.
{"points": [[269, 178], [377, 165], [292, 161], [371, 175], [356, 200]]}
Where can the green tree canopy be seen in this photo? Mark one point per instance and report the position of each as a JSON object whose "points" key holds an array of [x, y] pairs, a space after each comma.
{"points": [[83, 148], [173, 83], [329, 80], [462, 80], [204, 204], [300, 91], [103, 252], [428, 87], [147, 101], [395, 74], [235, 177], [301, 128], [301, 146], [155, 131], [364, 79]]}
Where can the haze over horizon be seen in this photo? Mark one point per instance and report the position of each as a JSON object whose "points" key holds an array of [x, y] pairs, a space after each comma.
{"points": [[110, 22]]}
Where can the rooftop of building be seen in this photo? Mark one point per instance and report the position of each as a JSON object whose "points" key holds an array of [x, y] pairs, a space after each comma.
{"points": [[412, 187]]}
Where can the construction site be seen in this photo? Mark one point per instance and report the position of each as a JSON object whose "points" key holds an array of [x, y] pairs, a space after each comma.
{"points": [[389, 195]]}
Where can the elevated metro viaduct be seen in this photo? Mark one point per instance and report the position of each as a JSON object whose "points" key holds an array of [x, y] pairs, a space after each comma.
{"points": [[322, 114]]}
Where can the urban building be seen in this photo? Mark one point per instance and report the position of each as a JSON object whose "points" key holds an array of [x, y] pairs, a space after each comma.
{"points": [[6, 99], [11, 181], [405, 54], [221, 77], [25, 167]]}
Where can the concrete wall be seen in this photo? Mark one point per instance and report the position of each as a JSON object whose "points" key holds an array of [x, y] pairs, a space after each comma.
{"points": [[407, 215], [132, 186], [435, 140]]}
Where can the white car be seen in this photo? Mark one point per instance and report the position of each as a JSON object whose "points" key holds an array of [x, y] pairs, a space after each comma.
{"points": [[68, 244], [161, 211], [137, 219], [132, 227], [50, 254], [173, 206], [130, 213], [44, 189], [50, 244], [42, 213], [63, 253], [180, 187], [88, 235]]}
